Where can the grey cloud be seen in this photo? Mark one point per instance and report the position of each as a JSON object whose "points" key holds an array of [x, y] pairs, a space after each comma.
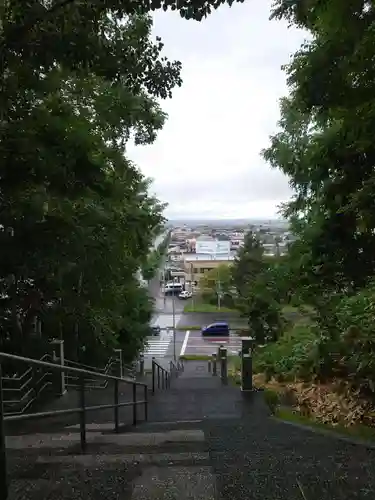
{"points": [[255, 185]]}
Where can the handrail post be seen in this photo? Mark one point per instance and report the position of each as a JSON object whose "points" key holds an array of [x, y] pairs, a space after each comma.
{"points": [[3, 458], [158, 367], [162, 379], [116, 407], [146, 401], [134, 404], [166, 379], [82, 413], [141, 365], [214, 365], [153, 375], [223, 365]]}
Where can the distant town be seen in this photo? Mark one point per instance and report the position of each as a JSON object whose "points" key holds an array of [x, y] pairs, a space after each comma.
{"points": [[196, 247]]}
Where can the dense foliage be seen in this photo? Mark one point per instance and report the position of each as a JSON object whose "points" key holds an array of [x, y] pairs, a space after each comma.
{"points": [[77, 218], [155, 258], [216, 286], [325, 146], [258, 297]]}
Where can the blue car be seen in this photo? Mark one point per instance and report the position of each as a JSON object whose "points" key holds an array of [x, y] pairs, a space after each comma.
{"points": [[221, 328]]}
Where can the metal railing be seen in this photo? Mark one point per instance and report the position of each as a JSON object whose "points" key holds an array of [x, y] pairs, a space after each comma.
{"points": [[82, 410], [112, 366], [160, 375], [20, 392]]}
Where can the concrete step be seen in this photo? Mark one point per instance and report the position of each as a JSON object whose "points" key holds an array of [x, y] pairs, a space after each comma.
{"points": [[69, 439], [144, 465]]}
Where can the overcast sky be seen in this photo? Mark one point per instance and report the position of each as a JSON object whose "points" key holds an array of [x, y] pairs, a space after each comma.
{"points": [[206, 161]]}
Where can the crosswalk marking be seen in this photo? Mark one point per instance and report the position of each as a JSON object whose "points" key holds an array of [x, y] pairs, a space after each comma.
{"points": [[158, 346]]}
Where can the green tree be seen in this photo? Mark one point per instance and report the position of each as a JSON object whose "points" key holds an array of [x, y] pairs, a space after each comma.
{"points": [[248, 263], [215, 281], [257, 292], [325, 144], [77, 215]]}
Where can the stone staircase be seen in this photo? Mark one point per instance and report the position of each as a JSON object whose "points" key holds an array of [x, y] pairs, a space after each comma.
{"points": [[203, 441]]}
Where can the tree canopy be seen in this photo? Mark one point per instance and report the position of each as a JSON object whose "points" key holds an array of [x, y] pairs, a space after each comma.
{"points": [[325, 146], [77, 217]]}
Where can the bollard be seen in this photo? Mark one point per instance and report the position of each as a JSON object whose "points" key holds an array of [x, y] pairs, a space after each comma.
{"points": [[141, 365], [246, 364], [214, 364], [153, 374], [223, 365], [209, 366]]}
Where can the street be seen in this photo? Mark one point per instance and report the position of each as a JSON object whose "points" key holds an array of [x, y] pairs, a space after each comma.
{"points": [[187, 341]]}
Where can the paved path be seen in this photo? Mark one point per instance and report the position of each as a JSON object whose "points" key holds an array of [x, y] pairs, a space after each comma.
{"points": [[204, 441]]}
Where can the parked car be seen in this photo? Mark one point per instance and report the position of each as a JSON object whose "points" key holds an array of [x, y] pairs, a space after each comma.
{"points": [[185, 295], [173, 288], [221, 328], [155, 330]]}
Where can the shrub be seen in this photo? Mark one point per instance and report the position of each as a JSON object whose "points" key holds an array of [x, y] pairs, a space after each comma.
{"points": [[294, 355]]}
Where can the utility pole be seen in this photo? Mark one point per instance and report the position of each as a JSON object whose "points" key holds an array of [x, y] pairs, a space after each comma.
{"points": [[191, 284], [174, 323], [218, 288]]}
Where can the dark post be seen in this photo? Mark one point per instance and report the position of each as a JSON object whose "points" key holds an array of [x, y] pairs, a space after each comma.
{"points": [[247, 364], [82, 413], [134, 404], [209, 366], [141, 365], [146, 401], [214, 365], [223, 365], [158, 376], [116, 407], [153, 375], [162, 379], [3, 458]]}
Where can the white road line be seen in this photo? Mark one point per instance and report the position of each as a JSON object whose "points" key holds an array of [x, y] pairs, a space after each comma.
{"points": [[183, 348]]}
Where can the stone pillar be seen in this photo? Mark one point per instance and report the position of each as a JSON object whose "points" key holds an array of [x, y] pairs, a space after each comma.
{"points": [[58, 357], [247, 364]]}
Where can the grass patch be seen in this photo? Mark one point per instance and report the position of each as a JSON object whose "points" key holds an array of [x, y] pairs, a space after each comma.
{"points": [[207, 308], [354, 431]]}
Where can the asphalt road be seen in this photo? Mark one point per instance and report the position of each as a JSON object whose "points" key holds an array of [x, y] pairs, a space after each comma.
{"points": [[201, 319]]}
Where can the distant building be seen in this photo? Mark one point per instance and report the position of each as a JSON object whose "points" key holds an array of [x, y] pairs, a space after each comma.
{"points": [[196, 265]]}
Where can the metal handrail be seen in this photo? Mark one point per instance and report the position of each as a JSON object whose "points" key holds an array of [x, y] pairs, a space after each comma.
{"points": [[73, 380], [18, 399], [68, 369], [81, 410], [162, 376], [26, 372]]}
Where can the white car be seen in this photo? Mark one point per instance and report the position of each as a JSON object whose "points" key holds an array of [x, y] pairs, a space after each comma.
{"points": [[185, 295]]}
